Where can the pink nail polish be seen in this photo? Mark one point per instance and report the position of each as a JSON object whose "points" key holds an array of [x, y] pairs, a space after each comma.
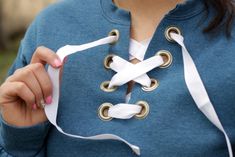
{"points": [[49, 100], [57, 63], [65, 59], [34, 106]]}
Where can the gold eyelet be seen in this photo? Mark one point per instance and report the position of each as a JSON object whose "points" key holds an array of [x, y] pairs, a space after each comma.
{"points": [[167, 57], [103, 111], [116, 33], [170, 30], [108, 60], [153, 86], [145, 110], [104, 86]]}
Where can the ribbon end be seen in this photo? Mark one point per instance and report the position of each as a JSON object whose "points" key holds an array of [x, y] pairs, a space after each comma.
{"points": [[136, 150]]}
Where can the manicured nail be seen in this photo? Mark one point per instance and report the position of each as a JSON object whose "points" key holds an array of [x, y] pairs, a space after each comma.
{"points": [[65, 59], [34, 106], [57, 63], [49, 100]]}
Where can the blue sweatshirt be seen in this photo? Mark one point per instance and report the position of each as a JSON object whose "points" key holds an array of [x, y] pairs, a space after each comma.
{"points": [[174, 127]]}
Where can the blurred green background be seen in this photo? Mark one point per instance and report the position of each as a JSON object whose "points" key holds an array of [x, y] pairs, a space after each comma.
{"points": [[15, 17], [7, 56]]}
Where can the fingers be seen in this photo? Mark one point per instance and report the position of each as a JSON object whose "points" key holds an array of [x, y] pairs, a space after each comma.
{"points": [[26, 76], [35, 77], [44, 56], [12, 90], [43, 80]]}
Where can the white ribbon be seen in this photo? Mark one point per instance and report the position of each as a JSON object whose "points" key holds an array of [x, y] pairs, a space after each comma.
{"points": [[198, 91], [124, 111], [127, 72], [137, 50], [137, 72], [52, 109]]}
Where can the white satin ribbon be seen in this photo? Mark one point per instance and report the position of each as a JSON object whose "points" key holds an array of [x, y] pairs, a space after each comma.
{"points": [[198, 91], [52, 109], [119, 64], [137, 50], [127, 72], [124, 111], [137, 72]]}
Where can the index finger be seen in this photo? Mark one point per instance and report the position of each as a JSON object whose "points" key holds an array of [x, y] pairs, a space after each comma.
{"points": [[45, 55]]}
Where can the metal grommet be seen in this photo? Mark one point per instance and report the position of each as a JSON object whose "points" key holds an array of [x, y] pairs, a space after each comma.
{"points": [[104, 86], [153, 86], [108, 60], [103, 111], [170, 30], [145, 110], [167, 57], [116, 33]]}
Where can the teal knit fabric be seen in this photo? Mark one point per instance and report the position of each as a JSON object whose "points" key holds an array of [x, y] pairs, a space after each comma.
{"points": [[174, 127]]}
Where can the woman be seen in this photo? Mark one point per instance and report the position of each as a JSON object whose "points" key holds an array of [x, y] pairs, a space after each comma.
{"points": [[176, 102]]}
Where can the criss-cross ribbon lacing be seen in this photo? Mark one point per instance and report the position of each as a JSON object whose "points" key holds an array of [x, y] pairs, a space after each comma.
{"points": [[126, 72], [137, 51]]}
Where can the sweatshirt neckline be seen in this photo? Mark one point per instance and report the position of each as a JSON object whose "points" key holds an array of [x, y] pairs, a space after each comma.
{"points": [[182, 11]]}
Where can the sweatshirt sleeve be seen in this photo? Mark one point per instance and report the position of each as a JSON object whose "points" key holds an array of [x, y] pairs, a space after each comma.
{"points": [[25, 141]]}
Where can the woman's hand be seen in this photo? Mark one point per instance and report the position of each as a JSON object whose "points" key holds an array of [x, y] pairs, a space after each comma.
{"points": [[23, 93]]}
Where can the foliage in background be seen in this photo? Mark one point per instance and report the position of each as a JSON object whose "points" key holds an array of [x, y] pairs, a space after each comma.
{"points": [[7, 57], [15, 16]]}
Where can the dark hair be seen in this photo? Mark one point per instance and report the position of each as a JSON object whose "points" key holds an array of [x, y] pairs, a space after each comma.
{"points": [[225, 13]]}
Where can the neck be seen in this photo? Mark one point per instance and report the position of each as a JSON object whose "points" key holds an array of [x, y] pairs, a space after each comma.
{"points": [[149, 12], [148, 7]]}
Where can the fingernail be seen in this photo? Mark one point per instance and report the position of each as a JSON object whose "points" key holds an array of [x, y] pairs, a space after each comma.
{"points": [[65, 59], [57, 63], [49, 100], [34, 106]]}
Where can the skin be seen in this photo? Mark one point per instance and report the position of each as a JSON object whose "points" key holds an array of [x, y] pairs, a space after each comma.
{"points": [[150, 13], [21, 94]]}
